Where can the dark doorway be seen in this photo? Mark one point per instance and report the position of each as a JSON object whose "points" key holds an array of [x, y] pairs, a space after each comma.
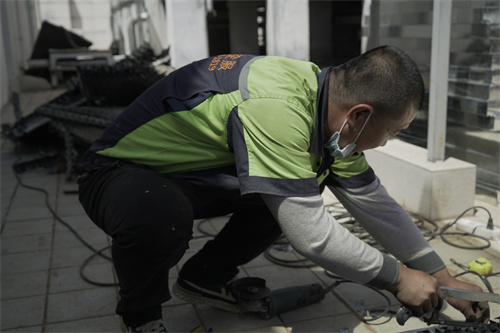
{"points": [[237, 27], [335, 31]]}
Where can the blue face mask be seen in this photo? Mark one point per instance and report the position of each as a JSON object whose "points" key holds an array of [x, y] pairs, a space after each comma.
{"points": [[333, 144]]}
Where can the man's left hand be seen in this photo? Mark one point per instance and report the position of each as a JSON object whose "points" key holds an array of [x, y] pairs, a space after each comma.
{"points": [[472, 311]]}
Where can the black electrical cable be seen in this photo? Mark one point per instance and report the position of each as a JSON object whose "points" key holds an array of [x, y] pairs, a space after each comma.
{"points": [[73, 231], [350, 224], [483, 278], [204, 232], [444, 232], [429, 232], [96, 253], [282, 245], [486, 282], [85, 263], [383, 310]]}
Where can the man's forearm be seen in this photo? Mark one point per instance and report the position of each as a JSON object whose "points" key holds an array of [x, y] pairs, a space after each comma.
{"points": [[314, 233], [390, 225]]}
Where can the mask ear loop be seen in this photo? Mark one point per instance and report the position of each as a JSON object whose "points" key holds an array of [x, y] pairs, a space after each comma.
{"points": [[342, 127], [362, 128]]}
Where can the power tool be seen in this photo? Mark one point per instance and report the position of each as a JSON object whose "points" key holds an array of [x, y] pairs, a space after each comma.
{"points": [[254, 296]]}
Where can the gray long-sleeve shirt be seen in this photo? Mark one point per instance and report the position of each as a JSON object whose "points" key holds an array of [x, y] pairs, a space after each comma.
{"points": [[314, 233]]}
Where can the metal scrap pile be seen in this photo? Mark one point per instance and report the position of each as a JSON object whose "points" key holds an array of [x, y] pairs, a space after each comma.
{"points": [[121, 83], [94, 97]]}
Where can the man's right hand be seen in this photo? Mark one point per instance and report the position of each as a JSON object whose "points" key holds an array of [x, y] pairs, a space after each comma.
{"points": [[416, 290]]}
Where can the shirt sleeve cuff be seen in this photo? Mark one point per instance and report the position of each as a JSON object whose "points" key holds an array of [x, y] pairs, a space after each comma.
{"points": [[388, 274], [429, 263]]}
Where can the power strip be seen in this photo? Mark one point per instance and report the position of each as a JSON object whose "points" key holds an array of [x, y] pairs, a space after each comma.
{"points": [[478, 228]]}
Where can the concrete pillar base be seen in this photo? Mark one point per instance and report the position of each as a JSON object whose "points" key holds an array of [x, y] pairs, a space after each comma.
{"points": [[434, 190]]}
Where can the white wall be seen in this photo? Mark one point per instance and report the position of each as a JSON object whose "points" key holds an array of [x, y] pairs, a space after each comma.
{"points": [[187, 31], [287, 28], [4, 78], [87, 18], [18, 32]]}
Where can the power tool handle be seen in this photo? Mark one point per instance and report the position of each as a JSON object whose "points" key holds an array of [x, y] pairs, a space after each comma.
{"points": [[403, 315]]}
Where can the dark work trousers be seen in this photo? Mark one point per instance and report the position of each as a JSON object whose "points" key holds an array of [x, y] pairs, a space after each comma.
{"points": [[149, 217]]}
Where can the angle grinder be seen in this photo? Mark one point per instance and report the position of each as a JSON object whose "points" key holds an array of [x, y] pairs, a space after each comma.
{"points": [[254, 296]]}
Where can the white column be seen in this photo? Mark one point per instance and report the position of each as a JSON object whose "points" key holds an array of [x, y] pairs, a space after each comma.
{"points": [[287, 28], [157, 22], [438, 87], [187, 31]]}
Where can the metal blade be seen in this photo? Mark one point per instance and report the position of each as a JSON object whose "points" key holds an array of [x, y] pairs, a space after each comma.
{"points": [[471, 295]]}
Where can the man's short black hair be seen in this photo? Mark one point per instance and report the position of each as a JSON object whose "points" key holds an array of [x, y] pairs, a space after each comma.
{"points": [[385, 78]]}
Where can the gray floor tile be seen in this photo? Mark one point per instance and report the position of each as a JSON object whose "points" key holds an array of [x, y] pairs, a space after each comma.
{"points": [[361, 298], [218, 222], [25, 262], [41, 178], [70, 209], [24, 285], [31, 213], [31, 190], [96, 324], [393, 326], [95, 237], [31, 329], [181, 318], [270, 329], [81, 304], [77, 222], [494, 281], [68, 192], [69, 279], [6, 194], [448, 252], [22, 312], [73, 256], [26, 228], [30, 243], [174, 300], [260, 261], [342, 323], [27, 201], [7, 173], [194, 246], [223, 321]]}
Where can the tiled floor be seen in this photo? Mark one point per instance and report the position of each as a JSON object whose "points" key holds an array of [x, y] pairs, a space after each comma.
{"points": [[42, 290]]}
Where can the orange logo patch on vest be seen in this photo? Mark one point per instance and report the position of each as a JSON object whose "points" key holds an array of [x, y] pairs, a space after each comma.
{"points": [[223, 62]]}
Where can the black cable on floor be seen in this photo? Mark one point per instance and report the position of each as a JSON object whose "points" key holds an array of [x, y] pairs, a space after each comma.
{"points": [[428, 228], [350, 224], [483, 278], [87, 261], [74, 232], [382, 311], [204, 232], [443, 233]]}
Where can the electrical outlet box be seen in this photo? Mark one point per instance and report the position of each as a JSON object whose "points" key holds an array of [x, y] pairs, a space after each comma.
{"points": [[477, 228]]}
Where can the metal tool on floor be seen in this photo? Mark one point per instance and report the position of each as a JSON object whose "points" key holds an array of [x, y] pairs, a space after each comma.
{"points": [[254, 296], [404, 313]]}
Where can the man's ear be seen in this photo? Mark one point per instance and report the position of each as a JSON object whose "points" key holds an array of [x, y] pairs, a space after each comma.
{"points": [[360, 112]]}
